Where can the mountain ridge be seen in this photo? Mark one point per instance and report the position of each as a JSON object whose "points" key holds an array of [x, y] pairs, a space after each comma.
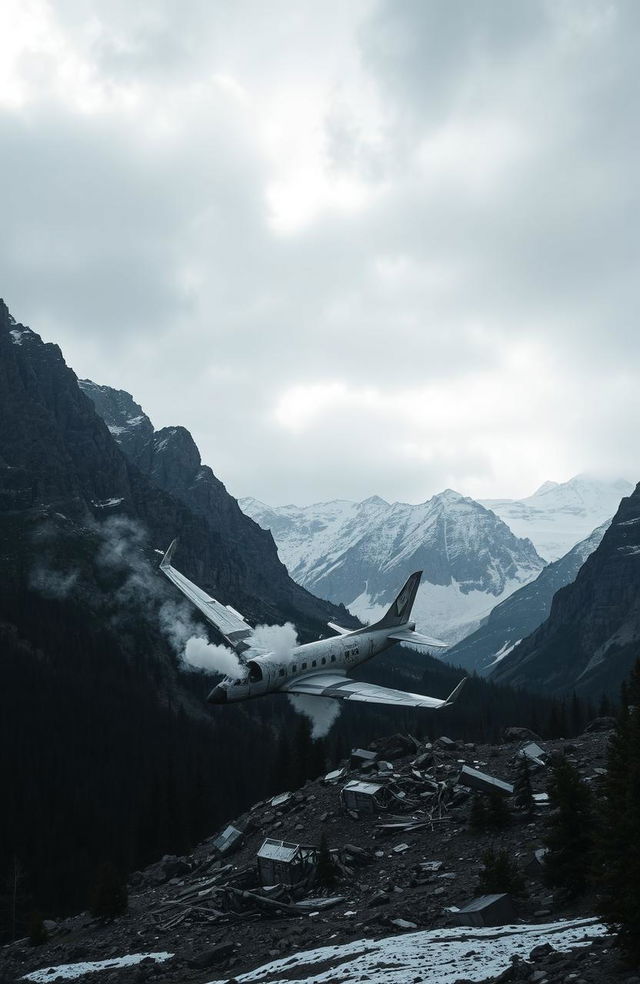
{"points": [[591, 636], [522, 612], [361, 552], [558, 515]]}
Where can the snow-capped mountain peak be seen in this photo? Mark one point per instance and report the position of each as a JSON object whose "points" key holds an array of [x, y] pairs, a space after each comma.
{"points": [[560, 514], [359, 553]]}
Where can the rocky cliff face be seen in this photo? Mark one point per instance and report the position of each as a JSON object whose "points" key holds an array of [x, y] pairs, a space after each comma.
{"points": [[592, 635], [360, 553], [53, 449], [522, 612], [57, 454], [93, 696], [169, 462]]}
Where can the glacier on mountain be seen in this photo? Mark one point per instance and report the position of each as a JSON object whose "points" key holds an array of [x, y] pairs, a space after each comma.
{"points": [[559, 515], [359, 553]]}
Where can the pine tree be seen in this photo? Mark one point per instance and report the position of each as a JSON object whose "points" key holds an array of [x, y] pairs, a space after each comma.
{"points": [[500, 874], [326, 873], [37, 930], [109, 897], [577, 716], [478, 816], [522, 792], [570, 834], [498, 815], [618, 836], [604, 707]]}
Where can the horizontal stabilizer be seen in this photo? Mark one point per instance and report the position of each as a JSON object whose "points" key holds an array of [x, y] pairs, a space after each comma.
{"points": [[338, 628], [417, 639]]}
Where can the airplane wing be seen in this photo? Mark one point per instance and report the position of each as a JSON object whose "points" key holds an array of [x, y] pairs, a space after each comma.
{"points": [[342, 688], [417, 639], [227, 620]]}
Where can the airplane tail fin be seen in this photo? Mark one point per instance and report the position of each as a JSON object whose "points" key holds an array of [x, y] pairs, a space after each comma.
{"points": [[400, 611]]}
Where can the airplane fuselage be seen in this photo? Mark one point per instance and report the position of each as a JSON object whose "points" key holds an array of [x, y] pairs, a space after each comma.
{"points": [[272, 672]]}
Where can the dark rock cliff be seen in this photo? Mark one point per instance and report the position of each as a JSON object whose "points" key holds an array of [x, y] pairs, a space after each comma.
{"points": [[522, 612], [170, 462], [57, 453], [592, 635]]}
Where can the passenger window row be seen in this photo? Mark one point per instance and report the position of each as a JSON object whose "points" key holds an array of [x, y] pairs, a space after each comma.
{"points": [[303, 666]]}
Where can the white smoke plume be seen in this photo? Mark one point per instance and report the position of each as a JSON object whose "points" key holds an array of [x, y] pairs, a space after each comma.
{"points": [[178, 625], [278, 639], [322, 712], [202, 655], [122, 552], [52, 584]]}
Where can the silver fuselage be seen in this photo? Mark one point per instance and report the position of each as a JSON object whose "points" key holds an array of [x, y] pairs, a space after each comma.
{"points": [[271, 672]]}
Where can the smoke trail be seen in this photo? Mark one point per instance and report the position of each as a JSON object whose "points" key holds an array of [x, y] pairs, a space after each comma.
{"points": [[53, 584], [322, 712], [278, 639], [202, 655]]}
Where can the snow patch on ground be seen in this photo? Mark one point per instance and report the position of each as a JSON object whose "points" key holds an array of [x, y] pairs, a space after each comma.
{"points": [[69, 972], [439, 956], [506, 649]]}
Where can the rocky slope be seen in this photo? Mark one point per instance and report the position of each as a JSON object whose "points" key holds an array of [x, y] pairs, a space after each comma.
{"points": [[592, 634], [359, 553], [206, 916], [560, 514], [522, 612]]}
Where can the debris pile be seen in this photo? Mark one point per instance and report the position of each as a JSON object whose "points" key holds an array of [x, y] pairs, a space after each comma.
{"points": [[403, 856]]}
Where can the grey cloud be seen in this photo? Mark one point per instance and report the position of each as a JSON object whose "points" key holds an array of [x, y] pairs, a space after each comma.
{"points": [[141, 240]]}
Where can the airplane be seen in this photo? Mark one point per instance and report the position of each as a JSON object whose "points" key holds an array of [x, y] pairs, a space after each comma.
{"points": [[318, 669]]}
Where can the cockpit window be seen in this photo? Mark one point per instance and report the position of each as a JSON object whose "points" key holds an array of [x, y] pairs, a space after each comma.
{"points": [[255, 672]]}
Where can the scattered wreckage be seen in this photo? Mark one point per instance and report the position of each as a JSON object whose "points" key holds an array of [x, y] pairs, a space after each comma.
{"points": [[400, 799]]}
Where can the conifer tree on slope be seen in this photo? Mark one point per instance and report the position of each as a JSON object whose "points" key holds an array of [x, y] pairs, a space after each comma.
{"points": [[618, 840], [522, 792], [570, 833]]}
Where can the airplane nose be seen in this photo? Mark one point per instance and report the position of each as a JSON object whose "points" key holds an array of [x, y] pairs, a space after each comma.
{"points": [[218, 695]]}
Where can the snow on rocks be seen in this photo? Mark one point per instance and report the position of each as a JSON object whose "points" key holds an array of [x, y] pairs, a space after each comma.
{"points": [[360, 553], [70, 971], [439, 956]]}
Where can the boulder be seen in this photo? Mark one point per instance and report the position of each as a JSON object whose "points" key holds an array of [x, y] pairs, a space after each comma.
{"points": [[600, 724]]}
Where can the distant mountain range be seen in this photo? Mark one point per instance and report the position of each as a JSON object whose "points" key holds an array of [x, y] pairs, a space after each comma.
{"points": [[559, 515], [522, 612], [361, 552], [592, 635]]}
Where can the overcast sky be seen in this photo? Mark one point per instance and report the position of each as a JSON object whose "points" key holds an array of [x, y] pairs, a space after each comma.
{"points": [[355, 246]]}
